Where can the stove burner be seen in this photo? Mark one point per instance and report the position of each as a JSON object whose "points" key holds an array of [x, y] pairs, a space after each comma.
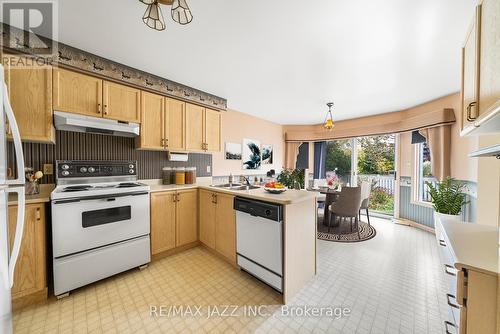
{"points": [[127, 185], [76, 188]]}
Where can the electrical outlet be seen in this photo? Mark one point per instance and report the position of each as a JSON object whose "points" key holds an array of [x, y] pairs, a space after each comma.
{"points": [[209, 169], [48, 169]]}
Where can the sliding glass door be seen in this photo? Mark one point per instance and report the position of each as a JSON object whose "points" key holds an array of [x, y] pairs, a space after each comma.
{"points": [[376, 161], [371, 159]]}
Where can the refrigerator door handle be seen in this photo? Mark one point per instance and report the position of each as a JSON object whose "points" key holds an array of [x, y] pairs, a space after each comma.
{"points": [[21, 202], [16, 137]]}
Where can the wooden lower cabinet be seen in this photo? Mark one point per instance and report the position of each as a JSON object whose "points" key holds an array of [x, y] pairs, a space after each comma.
{"points": [[225, 226], [30, 275], [162, 222], [187, 217], [173, 219], [207, 218], [218, 223]]}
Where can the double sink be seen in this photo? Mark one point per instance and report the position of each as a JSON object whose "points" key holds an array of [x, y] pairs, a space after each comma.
{"points": [[234, 186]]}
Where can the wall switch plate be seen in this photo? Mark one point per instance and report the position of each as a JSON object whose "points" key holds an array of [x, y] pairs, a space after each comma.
{"points": [[209, 169], [48, 169]]}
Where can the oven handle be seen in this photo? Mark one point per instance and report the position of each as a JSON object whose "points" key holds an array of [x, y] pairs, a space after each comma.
{"points": [[107, 197]]}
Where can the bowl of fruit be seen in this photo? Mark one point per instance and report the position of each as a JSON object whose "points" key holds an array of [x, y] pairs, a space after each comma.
{"points": [[274, 187]]}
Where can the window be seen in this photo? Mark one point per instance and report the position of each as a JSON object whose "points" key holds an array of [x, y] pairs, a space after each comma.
{"points": [[422, 173]]}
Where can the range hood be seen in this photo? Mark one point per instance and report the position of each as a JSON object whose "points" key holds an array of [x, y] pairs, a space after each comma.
{"points": [[80, 123]]}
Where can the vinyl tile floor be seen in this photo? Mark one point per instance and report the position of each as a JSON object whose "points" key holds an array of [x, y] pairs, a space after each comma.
{"points": [[392, 283]]}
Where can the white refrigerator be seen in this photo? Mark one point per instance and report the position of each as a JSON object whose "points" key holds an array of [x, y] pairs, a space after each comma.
{"points": [[8, 251]]}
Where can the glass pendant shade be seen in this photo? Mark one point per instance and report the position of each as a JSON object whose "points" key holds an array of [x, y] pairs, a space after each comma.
{"points": [[180, 12], [329, 124], [153, 17]]}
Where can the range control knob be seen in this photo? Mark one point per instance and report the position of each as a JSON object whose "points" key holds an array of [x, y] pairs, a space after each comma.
{"points": [[65, 167], [131, 171], [268, 212], [91, 169], [83, 170], [65, 173], [131, 166]]}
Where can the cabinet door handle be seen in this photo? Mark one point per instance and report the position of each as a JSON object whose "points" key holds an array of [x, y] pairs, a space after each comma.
{"points": [[469, 111], [38, 215], [442, 243], [215, 197], [450, 296], [105, 109], [99, 108], [447, 325], [446, 267]]}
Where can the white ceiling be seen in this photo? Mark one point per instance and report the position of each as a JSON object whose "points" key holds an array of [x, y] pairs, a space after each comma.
{"points": [[283, 60]]}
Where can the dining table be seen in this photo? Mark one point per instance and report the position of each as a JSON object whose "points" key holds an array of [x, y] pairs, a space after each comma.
{"points": [[330, 197]]}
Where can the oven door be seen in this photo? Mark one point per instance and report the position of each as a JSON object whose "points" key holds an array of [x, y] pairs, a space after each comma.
{"points": [[88, 223]]}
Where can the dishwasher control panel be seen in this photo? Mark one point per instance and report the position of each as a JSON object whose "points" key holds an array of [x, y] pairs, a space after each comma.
{"points": [[255, 208]]}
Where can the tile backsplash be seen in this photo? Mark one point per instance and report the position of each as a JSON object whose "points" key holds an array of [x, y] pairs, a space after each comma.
{"points": [[86, 146]]}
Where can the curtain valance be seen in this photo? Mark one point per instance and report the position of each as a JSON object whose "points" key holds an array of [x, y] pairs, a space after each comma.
{"points": [[388, 123]]}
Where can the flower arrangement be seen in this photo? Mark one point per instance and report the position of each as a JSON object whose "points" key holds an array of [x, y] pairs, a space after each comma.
{"points": [[332, 179]]}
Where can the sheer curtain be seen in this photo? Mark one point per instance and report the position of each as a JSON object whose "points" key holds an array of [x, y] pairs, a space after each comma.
{"points": [[291, 153]]}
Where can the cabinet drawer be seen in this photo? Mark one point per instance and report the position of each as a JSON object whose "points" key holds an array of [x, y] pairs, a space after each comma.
{"points": [[453, 309]]}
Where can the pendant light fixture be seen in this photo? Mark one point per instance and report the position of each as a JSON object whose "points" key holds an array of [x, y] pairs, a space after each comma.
{"points": [[328, 124], [180, 12], [153, 16]]}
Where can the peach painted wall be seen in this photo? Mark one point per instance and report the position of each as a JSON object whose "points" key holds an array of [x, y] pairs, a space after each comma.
{"points": [[462, 167], [236, 126]]}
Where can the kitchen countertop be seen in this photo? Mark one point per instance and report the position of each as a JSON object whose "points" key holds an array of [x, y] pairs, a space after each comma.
{"points": [[290, 196], [42, 197], [474, 246]]}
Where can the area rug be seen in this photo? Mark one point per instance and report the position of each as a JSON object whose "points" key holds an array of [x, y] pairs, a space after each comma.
{"points": [[342, 233]]}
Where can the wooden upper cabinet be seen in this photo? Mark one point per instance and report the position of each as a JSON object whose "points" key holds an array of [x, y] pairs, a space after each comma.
{"points": [[30, 94], [121, 102], [207, 218], [489, 67], [76, 93], [225, 226], [470, 71], [152, 122], [175, 124], [187, 217], [162, 222], [212, 130], [30, 275], [194, 127]]}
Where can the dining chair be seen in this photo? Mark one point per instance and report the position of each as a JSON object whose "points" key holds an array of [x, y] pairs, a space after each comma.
{"points": [[366, 189], [346, 206]]}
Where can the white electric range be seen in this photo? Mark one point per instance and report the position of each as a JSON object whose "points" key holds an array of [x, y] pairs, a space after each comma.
{"points": [[100, 222]]}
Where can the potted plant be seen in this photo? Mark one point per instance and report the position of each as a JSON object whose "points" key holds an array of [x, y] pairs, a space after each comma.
{"points": [[292, 178], [447, 198]]}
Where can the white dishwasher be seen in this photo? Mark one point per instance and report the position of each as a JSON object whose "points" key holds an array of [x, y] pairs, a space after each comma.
{"points": [[259, 240]]}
